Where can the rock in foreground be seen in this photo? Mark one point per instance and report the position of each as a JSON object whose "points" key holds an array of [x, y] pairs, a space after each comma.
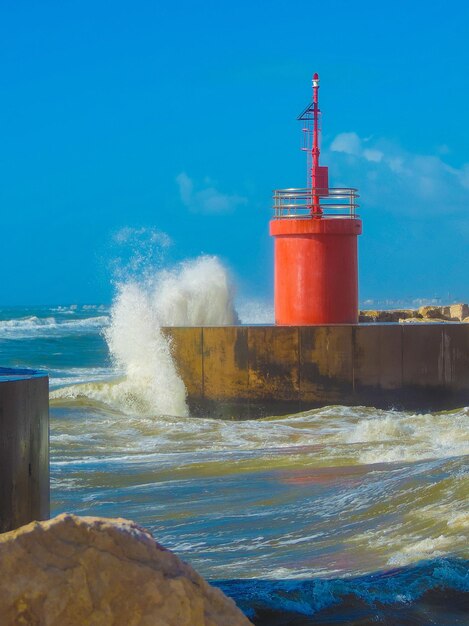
{"points": [[99, 572]]}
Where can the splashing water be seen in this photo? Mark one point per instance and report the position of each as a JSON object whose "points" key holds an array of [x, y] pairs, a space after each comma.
{"points": [[196, 293], [139, 348]]}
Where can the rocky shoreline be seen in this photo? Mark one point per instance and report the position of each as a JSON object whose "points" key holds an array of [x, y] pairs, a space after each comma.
{"points": [[446, 313]]}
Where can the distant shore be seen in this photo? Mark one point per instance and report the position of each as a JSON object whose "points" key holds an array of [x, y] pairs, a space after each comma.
{"points": [[445, 313]]}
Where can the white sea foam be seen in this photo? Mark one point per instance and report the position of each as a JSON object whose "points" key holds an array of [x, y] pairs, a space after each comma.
{"points": [[307, 485], [195, 293], [459, 520], [79, 375], [255, 311], [399, 436], [345, 435], [427, 548], [138, 347], [33, 326]]}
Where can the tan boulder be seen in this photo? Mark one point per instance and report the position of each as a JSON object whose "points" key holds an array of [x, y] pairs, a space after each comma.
{"points": [[459, 311], [452, 312], [445, 311], [430, 312], [440, 313], [386, 316], [88, 571]]}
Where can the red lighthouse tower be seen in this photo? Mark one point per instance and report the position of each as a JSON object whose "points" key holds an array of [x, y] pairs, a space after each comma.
{"points": [[315, 232]]}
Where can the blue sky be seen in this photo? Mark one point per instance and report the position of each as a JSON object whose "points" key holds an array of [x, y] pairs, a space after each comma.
{"points": [[181, 117]]}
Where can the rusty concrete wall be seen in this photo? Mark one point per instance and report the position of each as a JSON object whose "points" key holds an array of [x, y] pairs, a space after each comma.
{"points": [[273, 369], [24, 447]]}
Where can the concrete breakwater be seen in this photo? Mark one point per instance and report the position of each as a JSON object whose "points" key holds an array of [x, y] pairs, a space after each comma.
{"points": [[253, 371], [24, 447]]}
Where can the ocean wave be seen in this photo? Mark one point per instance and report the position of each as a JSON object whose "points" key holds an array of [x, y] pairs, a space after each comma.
{"points": [[396, 436], [433, 592], [134, 395], [33, 326], [312, 507], [79, 376], [193, 293], [345, 435]]}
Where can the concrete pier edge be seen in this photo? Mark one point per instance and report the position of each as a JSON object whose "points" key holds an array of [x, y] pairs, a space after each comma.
{"points": [[255, 371], [24, 447]]}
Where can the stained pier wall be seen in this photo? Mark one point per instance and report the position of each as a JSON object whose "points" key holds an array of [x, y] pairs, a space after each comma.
{"points": [[251, 371]]}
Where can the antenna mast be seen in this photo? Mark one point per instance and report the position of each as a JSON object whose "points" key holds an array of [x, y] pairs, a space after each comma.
{"points": [[318, 177]]}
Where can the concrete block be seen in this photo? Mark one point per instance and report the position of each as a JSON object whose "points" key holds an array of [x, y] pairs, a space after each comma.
{"points": [[273, 363], [225, 362], [377, 357], [186, 347], [326, 371], [24, 447], [456, 356], [423, 355]]}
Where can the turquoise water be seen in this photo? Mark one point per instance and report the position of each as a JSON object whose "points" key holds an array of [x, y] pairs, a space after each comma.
{"points": [[337, 515]]}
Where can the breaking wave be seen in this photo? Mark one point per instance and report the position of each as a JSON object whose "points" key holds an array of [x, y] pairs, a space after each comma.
{"points": [[196, 293], [290, 497], [33, 326], [434, 592]]}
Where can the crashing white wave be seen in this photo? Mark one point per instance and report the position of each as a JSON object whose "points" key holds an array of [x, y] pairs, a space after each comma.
{"points": [[255, 311], [138, 347], [195, 293]]}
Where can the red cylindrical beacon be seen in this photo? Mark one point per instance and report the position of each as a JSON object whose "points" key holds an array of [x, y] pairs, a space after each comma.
{"points": [[315, 232]]}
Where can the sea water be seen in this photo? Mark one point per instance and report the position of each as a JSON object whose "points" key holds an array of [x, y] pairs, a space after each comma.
{"points": [[335, 515]]}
